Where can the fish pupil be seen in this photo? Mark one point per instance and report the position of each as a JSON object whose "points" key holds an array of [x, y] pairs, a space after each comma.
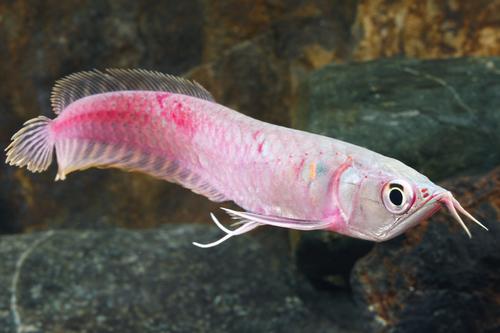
{"points": [[396, 197]]}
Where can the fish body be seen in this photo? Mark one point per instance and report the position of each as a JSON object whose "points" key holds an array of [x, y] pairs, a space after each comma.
{"points": [[239, 158], [175, 131]]}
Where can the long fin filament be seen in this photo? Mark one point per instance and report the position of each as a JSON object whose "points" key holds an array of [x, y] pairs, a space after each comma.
{"points": [[249, 221], [245, 227]]}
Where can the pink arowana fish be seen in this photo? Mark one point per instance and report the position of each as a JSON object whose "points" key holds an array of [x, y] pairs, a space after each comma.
{"points": [[172, 129]]}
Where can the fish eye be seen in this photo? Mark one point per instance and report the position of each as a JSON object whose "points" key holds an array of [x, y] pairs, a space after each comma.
{"points": [[397, 196]]}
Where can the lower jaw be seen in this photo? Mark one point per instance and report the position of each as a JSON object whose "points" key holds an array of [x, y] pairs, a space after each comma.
{"points": [[418, 217]]}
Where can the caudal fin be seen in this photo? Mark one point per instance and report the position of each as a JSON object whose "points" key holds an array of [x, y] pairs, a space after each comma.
{"points": [[32, 146]]}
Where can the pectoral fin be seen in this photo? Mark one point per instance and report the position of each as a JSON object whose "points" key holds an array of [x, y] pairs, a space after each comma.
{"points": [[249, 221]]}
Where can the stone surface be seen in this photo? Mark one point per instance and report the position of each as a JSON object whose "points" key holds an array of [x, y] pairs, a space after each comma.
{"points": [[295, 24], [426, 29], [438, 116], [156, 281], [327, 259], [435, 279]]}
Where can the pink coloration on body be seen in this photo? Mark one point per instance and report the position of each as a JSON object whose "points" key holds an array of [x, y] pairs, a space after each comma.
{"points": [[259, 148], [256, 134], [171, 128]]}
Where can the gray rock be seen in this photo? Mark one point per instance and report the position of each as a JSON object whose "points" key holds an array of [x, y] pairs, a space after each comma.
{"points": [[157, 281], [438, 116]]}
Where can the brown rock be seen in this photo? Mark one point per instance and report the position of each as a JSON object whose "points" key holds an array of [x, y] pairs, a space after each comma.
{"points": [[426, 29]]}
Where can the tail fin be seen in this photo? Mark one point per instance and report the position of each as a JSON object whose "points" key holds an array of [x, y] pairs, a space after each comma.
{"points": [[31, 146]]}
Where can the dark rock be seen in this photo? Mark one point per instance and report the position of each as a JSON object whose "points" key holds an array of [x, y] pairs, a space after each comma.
{"points": [[228, 79], [46, 41], [106, 197], [435, 279], [437, 116], [326, 259], [296, 25], [157, 281]]}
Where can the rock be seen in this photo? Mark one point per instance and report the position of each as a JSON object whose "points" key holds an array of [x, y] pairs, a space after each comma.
{"points": [[326, 259], [435, 279], [63, 38], [418, 29], [368, 29], [157, 281], [295, 24], [95, 199], [438, 116]]}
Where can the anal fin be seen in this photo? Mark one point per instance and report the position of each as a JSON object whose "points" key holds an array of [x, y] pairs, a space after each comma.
{"points": [[78, 154], [278, 221]]}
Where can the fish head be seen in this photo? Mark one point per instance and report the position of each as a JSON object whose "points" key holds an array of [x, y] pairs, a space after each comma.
{"points": [[382, 204]]}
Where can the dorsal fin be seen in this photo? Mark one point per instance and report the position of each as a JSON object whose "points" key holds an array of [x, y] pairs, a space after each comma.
{"points": [[79, 85]]}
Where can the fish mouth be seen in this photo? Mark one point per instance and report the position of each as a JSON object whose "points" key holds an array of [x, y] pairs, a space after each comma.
{"points": [[434, 203], [423, 211]]}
